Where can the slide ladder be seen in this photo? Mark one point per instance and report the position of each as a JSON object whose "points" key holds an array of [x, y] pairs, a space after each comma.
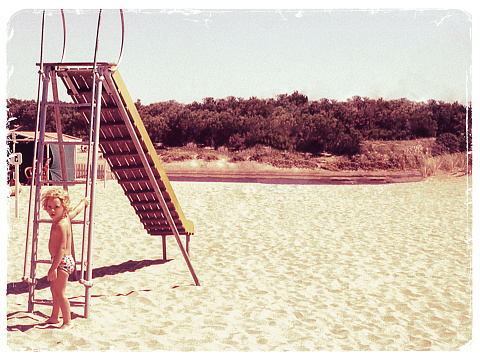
{"points": [[117, 130], [47, 76]]}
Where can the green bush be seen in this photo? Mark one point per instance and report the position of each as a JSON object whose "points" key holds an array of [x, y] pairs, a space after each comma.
{"points": [[446, 143], [289, 122]]}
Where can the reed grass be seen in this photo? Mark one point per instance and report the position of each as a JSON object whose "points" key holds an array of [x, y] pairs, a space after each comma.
{"points": [[453, 163], [412, 155], [374, 155]]}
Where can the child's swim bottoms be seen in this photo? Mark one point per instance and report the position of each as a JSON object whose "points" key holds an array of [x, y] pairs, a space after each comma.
{"points": [[67, 264]]}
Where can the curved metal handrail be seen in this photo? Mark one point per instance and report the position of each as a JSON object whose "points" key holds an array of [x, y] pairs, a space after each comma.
{"points": [[35, 142], [64, 35], [123, 40], [121, 47]]}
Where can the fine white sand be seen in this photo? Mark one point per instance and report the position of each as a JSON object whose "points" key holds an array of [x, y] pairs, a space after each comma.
{"points": [[281, 267]]}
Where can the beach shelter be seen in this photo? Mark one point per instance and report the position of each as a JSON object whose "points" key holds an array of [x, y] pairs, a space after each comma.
{"points": [[116, 129], [23, 142]]}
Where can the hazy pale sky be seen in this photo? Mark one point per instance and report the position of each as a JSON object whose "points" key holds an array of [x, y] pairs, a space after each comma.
{"points": [[189, 55]]}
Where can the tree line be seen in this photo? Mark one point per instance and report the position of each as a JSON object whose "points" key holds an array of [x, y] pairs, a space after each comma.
{"points": [[286, 122]]}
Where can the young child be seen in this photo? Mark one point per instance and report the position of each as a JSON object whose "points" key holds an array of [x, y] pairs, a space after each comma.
{"points": [[57, 204]]}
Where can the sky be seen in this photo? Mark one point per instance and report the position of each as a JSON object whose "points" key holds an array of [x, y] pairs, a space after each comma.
{"points": [[188, 55]]}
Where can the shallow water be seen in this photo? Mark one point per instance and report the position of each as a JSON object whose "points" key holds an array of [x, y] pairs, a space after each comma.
{"points": [[282, 267]]}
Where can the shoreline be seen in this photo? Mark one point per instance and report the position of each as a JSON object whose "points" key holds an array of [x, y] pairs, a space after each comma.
{"points": [[299, 178], [253, 172]]}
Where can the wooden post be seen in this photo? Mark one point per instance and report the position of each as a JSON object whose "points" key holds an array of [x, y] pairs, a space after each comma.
{"points": [[16, 160], [104, 173], [164, 246], [17, 183]]}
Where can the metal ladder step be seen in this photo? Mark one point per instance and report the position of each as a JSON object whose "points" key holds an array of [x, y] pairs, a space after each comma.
{"points": [[50, 261], [73, 222], [50, 302], [63, 182], [68, 105]]}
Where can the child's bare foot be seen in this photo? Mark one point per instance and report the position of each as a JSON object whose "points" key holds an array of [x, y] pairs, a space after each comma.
{"points": [[48, 324], [66, 326], [52, 321]]}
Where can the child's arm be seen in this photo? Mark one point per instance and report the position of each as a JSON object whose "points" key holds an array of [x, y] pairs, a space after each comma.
{"points": [[82, 205], [63, 226]]}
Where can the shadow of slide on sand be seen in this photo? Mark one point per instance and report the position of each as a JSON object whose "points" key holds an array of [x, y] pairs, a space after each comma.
{"points": [[128, 266]]}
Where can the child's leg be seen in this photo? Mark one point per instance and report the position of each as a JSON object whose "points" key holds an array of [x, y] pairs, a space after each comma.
{"points": [[59, 285], [56, 308]]}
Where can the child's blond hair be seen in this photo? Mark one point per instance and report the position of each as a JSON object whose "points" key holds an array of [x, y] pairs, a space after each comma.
{"points": [[56, 193]]}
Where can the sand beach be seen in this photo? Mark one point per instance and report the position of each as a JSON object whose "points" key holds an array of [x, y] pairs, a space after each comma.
{"points": [[282, 267]]}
